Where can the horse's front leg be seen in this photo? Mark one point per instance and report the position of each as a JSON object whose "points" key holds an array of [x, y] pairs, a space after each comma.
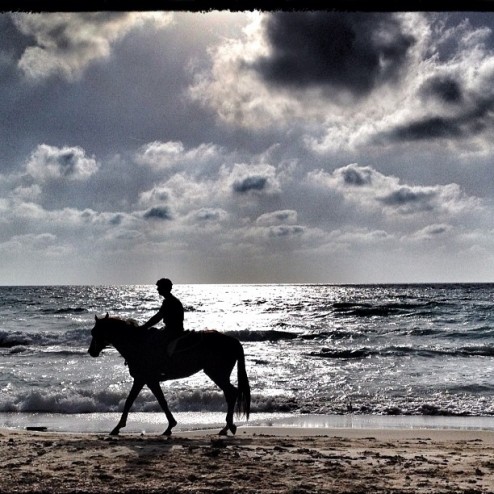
{"points": [[134, 392], [158, 393]]}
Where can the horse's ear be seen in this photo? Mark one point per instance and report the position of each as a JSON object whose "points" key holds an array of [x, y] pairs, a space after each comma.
{"points": [[107, 315], [96, 318]]}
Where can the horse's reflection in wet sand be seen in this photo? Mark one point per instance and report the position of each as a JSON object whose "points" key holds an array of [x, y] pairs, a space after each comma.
{"points": [[149, 363]]}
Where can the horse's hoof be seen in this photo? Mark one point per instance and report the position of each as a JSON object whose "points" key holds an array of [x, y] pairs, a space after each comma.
{"points": [[223, 432], [233, 428], [171, 425], [114, 432]]}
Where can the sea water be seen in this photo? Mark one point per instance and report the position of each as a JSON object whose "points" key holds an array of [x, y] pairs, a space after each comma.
{"points": [[312, 350]]}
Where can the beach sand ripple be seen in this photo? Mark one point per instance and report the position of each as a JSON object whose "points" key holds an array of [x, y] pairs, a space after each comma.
{"points": [[257, 460]]}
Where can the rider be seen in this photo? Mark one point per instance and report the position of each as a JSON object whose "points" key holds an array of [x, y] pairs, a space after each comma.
{"points": [[171, 311]]}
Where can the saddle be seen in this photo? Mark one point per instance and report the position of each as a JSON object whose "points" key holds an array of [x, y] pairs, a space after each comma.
{"points": [[186, 341]]}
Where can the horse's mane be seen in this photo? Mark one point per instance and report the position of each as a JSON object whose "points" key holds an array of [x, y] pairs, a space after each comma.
{"points": [[128, 322]]}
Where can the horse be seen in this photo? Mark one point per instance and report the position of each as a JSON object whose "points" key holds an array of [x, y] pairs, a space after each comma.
{"points": [[152, 359]]}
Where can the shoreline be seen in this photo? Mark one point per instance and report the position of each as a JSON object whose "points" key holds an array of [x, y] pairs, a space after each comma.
{"points": [[259, 459], [155, 422]]}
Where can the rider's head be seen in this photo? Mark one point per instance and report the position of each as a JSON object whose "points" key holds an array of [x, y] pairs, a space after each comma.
{"points": [[164, 285]]}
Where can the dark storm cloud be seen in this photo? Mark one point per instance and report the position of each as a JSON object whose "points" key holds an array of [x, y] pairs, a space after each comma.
{"points": [[346, 51], [404, 197], [437, 229], [247, 184], [68, 163], [116, 220], [285, 230], [470, 121], [358, 177], [428, 128], [158, 213], [444, 89]]}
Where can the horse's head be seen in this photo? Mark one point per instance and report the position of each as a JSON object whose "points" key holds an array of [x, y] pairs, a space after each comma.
{"points": [[99, 336], [110, 331]]}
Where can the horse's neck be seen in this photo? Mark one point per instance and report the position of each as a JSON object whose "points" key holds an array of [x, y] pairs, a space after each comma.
{"points": [[123, 348], [124, 339]]}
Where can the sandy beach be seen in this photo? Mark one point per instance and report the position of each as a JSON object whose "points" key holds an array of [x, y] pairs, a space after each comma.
{"points": [[256, 460]]}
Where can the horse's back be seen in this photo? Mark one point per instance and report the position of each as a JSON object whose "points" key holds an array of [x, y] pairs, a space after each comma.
{"points": [[207, 339], [157, 353]]}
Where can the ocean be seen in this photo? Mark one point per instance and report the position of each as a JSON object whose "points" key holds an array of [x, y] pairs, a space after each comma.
{"points": [[354, 352]]}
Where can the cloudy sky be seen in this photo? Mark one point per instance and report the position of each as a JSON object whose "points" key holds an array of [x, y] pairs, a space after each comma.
{"points": [[246, 147]]}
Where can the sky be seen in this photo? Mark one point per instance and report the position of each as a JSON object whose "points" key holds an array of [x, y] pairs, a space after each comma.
{"points": [[246, 147]]}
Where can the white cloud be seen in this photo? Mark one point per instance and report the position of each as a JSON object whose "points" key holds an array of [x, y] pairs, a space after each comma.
{"points": [[68, 163], [371, 190], [157, 195], [287, 216], [206, 215], [186, 192], [67, 43], [159, 155], [431, 232], [25, 193], [234, 90], [221, 189]]}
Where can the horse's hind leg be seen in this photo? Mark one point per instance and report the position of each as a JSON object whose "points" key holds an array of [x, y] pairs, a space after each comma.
{"points": [[158, 393], [231, 393]]}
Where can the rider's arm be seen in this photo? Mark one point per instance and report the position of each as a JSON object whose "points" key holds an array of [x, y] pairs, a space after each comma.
{"points": [[154, 320]]}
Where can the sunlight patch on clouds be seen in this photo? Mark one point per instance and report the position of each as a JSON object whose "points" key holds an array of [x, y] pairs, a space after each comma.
{"points": [[233, 88]]}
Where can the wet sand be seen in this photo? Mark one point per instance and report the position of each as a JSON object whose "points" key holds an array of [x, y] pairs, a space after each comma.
{"points": [[256, 460]]}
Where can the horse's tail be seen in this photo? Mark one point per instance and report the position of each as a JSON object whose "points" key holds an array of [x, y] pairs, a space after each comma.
{"points": [[243, 399]]}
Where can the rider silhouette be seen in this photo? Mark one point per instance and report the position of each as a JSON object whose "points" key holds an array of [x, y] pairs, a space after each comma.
{"points": [[171, 311]]}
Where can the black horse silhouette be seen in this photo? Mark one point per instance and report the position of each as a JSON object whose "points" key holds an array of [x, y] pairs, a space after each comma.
{"points": [[147, 353]]}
